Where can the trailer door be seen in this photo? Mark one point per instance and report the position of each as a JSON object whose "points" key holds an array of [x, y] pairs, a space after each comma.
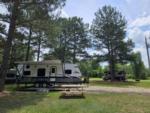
{"points": [[53, 71]]}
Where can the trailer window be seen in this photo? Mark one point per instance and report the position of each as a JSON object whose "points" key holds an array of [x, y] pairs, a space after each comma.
{"points": [[26, 73], [27, 66], [10, 75], [76, 72], [68, 71], [41, 72]]}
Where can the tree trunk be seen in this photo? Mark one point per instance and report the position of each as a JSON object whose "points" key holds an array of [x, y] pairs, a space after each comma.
{"points": [[39, 48], [74, 49], [8, 44], [28, 45], [112, 70], [74, 55], [64, 55], [112, 67], [13, 56]]}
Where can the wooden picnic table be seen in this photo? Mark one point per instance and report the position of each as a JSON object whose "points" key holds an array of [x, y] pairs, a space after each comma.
{"points": [[73, 90]]}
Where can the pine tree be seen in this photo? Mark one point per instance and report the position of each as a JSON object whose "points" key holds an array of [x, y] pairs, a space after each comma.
{"points": [[72, 40], [108, 30], [15, 7]]}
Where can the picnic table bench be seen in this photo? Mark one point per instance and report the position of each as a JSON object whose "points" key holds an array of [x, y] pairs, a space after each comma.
{"points": [[72, 90]]}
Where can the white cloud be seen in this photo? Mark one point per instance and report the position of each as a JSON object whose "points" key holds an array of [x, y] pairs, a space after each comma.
{"points": [[141, 21], [137, 34]]}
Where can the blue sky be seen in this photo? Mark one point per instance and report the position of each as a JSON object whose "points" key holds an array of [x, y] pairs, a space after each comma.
{"points": [[136, 12], [87, 8]]}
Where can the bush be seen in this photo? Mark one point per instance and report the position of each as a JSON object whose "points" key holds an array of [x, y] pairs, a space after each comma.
{"points": [[130, 76]]}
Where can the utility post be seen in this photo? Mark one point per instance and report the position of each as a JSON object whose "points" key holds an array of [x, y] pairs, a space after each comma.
{"points": [[147, 49]]}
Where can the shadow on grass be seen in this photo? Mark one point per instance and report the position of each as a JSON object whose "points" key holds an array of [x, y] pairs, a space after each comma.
{"points": [[17, 100], [114, 84], [72, 97]]}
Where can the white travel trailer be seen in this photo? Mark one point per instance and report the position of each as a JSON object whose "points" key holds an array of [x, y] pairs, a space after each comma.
{"points": [[51, 71]]}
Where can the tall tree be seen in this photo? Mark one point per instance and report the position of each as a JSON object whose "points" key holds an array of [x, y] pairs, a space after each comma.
{"points": [[2, 35], [8, 43], [108, 29], [137, 66], [15, 9], [35, 15], [79, 38], [72, 40], [61, 42], [18, 49]]}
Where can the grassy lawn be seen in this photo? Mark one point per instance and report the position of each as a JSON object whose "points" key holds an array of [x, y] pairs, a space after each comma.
{"points": [[92, 103], [129, 83], [34, 102]]}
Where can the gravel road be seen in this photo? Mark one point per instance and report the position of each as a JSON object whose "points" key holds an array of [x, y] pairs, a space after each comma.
{"points": [[99, 89]]}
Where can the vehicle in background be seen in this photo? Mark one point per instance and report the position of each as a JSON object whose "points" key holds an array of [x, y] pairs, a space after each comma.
{"points": [[120, 76]]}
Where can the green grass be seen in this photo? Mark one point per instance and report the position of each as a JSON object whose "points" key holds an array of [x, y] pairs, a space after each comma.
{"points": [[11, 87], [129, 83], [92, 103]]}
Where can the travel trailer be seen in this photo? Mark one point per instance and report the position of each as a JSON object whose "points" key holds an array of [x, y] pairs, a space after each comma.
{"points": [[49, 72]]}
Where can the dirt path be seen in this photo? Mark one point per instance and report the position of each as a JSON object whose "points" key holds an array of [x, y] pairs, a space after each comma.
{"points": [[99, 89], [5, 93]]}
